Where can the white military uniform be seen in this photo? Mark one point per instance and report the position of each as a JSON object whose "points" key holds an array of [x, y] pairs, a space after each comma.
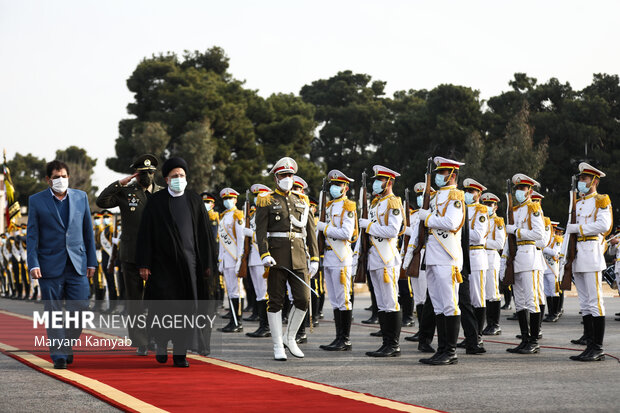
{"points": [[594, 220], [530, 228], [494, 242], [552, 253], [418, 284], [444, 255], [386, 220], [615, 250], [231, 247], [341, 227], [479, 262]]}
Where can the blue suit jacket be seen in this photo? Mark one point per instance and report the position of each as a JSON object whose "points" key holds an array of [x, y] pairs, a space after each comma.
{"points": [[49, 242]]}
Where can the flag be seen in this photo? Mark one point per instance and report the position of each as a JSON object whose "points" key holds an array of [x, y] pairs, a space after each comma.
{"points": [[12, 206]]}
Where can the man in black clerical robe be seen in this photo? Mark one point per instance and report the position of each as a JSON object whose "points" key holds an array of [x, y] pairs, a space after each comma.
{"points": [[177, 257]]}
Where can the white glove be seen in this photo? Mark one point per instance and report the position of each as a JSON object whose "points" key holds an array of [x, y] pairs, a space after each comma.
{"points": [[409, 231], [248, 232], [237, 266], [511, 228], [364, 222], [408, 258], [423, 214], [551, 252], [321, 226], [268, 261], [115, 240], [314, 268], [220, 267], [572, 229]]}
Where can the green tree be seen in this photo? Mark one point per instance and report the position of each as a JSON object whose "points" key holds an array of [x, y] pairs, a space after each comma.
{"points": [[196, 147], [28, 175], [81, 168]]}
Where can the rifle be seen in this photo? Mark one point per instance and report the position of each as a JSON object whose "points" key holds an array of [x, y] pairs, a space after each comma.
{"points": [[247, 242], [414, 266], [403, 272], [571, 251], [362, 262], [114, 255], [322, 212], [509, 275]]}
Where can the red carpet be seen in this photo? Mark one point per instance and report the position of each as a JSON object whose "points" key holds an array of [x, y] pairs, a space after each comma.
{"points": [[140, 384]]}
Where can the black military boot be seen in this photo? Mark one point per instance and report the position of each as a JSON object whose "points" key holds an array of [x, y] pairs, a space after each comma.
{"points": [[374, 317], [556, 309], [233, 327], [532, 346], [440, 321], [406, 303], [343, 343], [338, 331], [587, 331], [493, 314], [448, 356], [549, 317], [480, 314], [560, 304], [587, 338], [391, 335], [542, 313], [522, 316], [418, 313], [596, 352], [301, 336], [263, 326]]}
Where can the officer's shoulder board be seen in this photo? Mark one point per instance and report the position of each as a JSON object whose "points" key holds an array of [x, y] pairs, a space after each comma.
{"points": [[482, 209], [214, 216], [559, 239], [394, 202], [602, 201], [303, 196], [499, 222], [534, 208], [547, 221], [264, 198], [457, 196], [349, 205], [238, 214]]}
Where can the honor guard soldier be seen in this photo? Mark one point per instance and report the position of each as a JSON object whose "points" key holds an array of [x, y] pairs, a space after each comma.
{"points": [[257, 270], [614, 249], [23, 261], [106, 253], [540, 245], [9, 291], [594, 223], [98, 286], [494, 242], [444, 257], [478, 217], [285, 234], [418, 284], [340, 230], [552, 261], [208, 200], [131, 197], [318, 281], [230, 251], [384, 226], [529, 227], [16, 257]]}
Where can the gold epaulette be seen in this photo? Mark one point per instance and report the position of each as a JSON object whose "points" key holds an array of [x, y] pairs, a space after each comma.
{"points": [[374, 201], [499, 222], [533, 207], [456, 195], [602, 201], [238, 214], [394, 202], [349, 205], [303, 196], [214, 216], [547, 221], [483, 209], [264, 199], [328, 203], [559, 239]]}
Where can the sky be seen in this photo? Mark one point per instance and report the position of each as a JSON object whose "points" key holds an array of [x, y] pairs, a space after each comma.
{"points": [[64, 64]]}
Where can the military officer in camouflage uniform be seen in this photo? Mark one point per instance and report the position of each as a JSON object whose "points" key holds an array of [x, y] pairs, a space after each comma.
{"points": [[131, 198], [285, 234]]}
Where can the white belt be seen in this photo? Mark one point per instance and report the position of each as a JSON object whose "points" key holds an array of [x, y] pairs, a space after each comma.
{"points": [[289, 235]]}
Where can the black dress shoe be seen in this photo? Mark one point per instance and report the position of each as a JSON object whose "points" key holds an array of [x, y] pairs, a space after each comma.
{"points": [[377, 333], [301, 338], [475, 350], [443, 359], [462, 344], [595, 354], [414, 337], [518, 348], [370, 309], [385, 351], [253, 317], [425, 347], [261, 332], [582, 341], [512, 317], [142, 351], [407, 322], [529, 348], [60, 363], [180, 361], [372, 320], [339, 345], [579, 356], [492, 330]]}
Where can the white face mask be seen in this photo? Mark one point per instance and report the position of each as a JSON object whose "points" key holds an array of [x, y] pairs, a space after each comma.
{"points": [[285, 184], [208, 206], [229, 203], [178, 184], [60, 185]]}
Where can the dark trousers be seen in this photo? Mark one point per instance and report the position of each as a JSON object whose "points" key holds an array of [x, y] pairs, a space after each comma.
{"points": [[468, 318], [427, 322], [73, 288], [276, 289], [134, 289]]}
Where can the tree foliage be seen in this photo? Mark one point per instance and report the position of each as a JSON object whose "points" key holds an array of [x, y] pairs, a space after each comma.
{"points": [[28, 175]]}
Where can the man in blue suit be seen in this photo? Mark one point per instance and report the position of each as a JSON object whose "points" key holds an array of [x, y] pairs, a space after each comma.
{"points": [[61, 251]]}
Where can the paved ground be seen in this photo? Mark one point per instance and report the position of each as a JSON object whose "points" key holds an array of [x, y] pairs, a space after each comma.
{"points": [[496, 381]]}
